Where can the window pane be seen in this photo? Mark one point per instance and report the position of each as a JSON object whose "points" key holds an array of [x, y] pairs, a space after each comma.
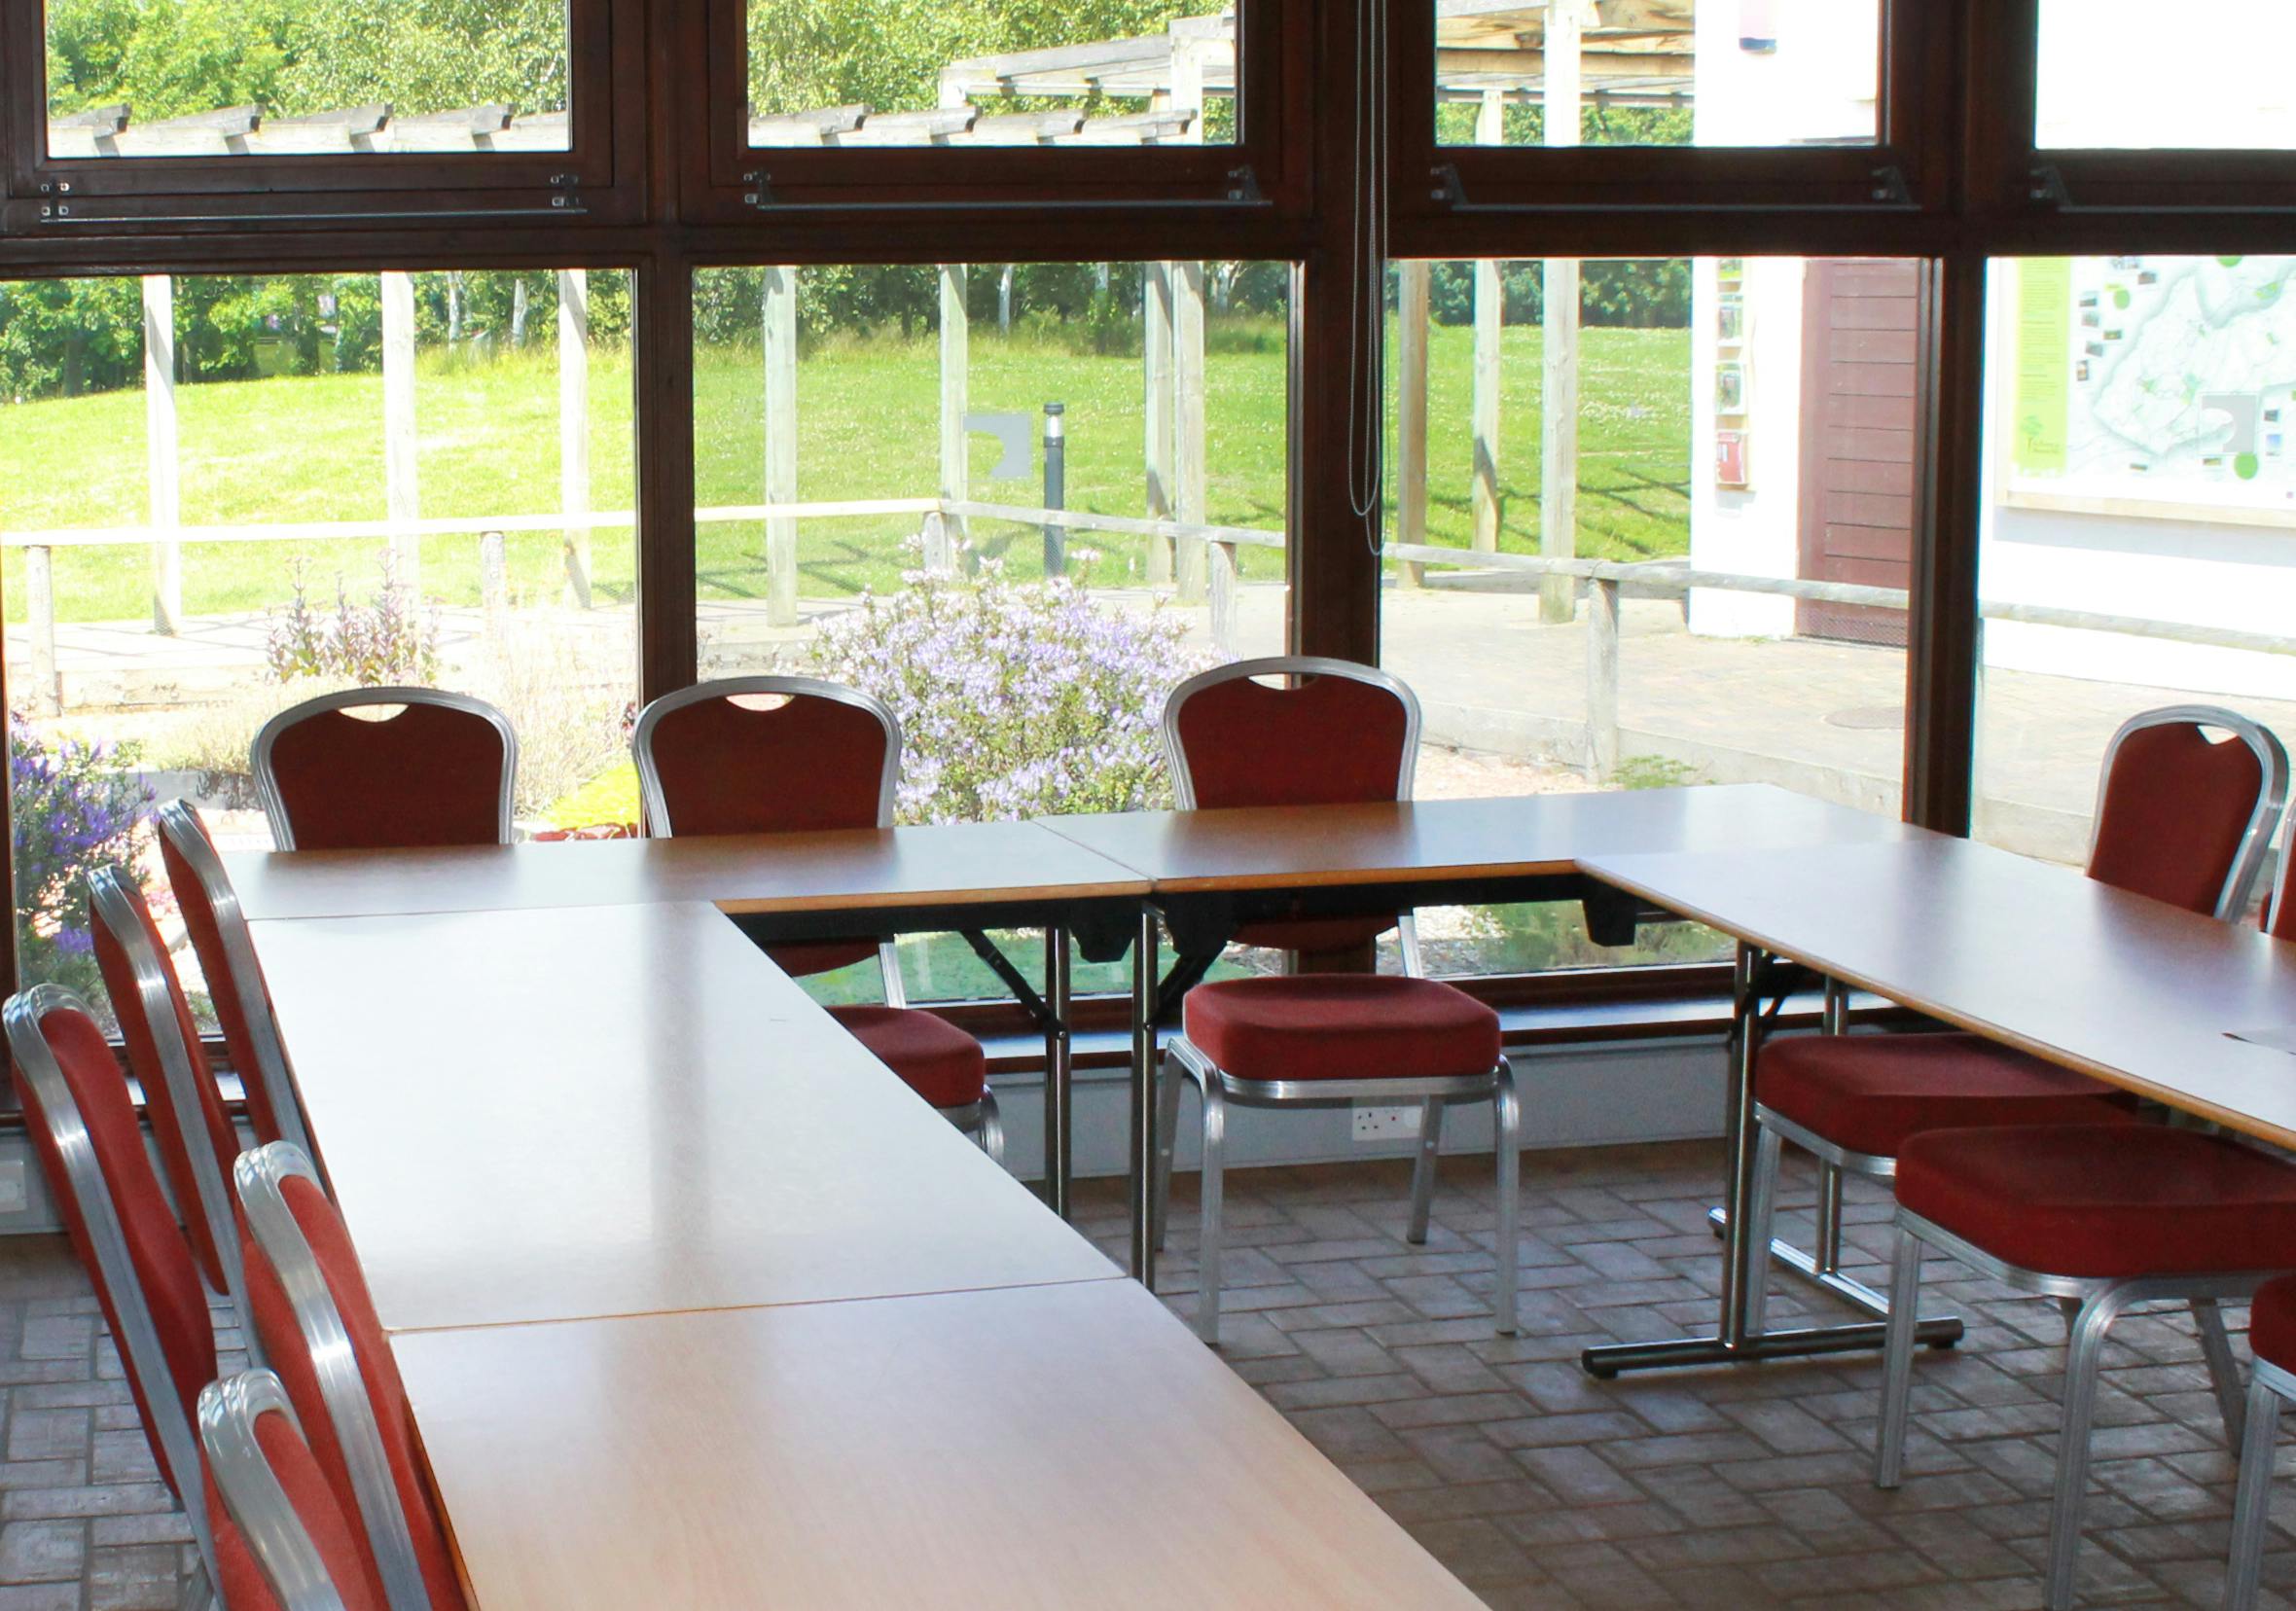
{"points": [[2141, 486], [193, 77], [842, 534], [1749, 417], [928, 74], [1657, 72], [2124, 75], [290, 432]]}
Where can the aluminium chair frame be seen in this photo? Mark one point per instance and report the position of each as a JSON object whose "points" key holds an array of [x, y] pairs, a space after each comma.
{"points": [[261, 1175], [978, 1119], [2097, 1301], [251, 1494], [266, 788], [1220, 1090], [139, 1343], [1823, 1265], [112, 905], [190, 842], [2269, 1386]]}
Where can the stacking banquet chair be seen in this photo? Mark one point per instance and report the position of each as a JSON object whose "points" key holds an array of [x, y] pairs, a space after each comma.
{"points": [[220, 939], [83, 1127], [2181, 817], [1336, 734], [777, 755], [282, 1543], [439, 771], [308, 1300], [195, 1137], [2272, 1333]]}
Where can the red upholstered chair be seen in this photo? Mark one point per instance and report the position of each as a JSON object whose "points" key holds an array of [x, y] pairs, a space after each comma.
{"points": [[195, 1133], [438, 771], [2181, 817], [220, 939], [2100, 1217], [83, 1127], [2271, 1335], [1333, 732], [308, 1300], [282, 1543], [781, 755]]}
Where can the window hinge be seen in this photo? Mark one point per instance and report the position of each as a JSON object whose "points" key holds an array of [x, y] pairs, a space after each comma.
{"points": [[1449, 189], [760, 191], [1243, 184], [568, 187], [2048, 187], [1891, 188]]}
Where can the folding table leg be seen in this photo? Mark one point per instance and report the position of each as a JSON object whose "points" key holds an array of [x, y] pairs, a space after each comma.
{"points": [[1060, 1072], [1145, 947]]}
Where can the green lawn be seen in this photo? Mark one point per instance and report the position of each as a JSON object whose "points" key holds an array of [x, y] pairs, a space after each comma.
{"points": [[310, 448]]}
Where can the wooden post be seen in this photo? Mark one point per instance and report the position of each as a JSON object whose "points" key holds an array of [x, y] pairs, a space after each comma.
{"points": [[1491, 318], [1603, 680], [1190, 472], [1414, 309], [1220, 592], [400, 476], [1162, 411], [494, 586], [163, 468], [1559, 345], [956, 358], [780, 352], [574, 428], [939, 554], [48, 689]]}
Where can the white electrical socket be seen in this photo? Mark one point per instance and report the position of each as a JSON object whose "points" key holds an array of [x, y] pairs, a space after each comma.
{"points": [[1388, 1123]]}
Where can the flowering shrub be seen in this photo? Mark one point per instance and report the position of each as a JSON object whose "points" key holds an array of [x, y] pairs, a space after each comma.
{"points": [[390, 642], [1013, 701], [77, 808]]}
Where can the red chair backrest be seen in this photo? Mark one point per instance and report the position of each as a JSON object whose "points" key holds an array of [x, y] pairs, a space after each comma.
{"points": [[2175, 808], [333, 1534], [168, 1124], [725, 761], [158, 1257], [224, 989], [1339, 736], [430, 774], [288, 1352]]}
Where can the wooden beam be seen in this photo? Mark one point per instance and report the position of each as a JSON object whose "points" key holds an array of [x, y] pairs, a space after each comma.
{"points": [[956, 358], [1189, 470], [163, 468], [1491, 315], [780, 293], [1414, 319], [1559, 345], [574, 429], [1160, 412], [401, 473]]}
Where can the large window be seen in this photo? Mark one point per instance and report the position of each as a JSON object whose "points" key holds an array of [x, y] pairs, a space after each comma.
{"points": [[220, 496], [2139, 500]]}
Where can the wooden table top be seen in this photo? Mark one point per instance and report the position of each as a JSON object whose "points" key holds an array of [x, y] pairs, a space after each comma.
{"points": [[615, 1110], [1526, 836], [854, 869], [1054, 1446], [2128, 989]]}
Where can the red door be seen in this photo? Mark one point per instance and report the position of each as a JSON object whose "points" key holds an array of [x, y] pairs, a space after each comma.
{"points": [[1860, 441]]}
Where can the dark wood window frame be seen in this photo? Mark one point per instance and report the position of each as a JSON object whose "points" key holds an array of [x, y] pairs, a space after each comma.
{"points": [[597, 177], [1958, 127]]}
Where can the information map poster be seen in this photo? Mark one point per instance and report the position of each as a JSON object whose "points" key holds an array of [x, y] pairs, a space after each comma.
{"points": [[2166, 381]]}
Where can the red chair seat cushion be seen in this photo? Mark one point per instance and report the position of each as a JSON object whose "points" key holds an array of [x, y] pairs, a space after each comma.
{"points": [[1341, 1027], [2108, 1200], [1869, 1092], [933, 1056], [2272, 1322]]}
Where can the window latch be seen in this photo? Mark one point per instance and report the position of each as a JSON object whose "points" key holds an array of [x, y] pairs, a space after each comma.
{"points": [[760, 193], [2048, 187], [1243, 184], [1448, 189], [1891, 188]]}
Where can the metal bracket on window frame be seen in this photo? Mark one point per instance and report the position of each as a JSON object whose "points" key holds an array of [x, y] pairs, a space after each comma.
{"points": [[2048, 187], [1891, 188]]}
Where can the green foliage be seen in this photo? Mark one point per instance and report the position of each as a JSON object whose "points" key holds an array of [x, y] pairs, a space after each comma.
{"points": [[1630, 294], [1655, 771], [74, 809]]}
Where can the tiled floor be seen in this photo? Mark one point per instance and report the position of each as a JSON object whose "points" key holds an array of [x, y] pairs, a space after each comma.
{"points": [[1538, 1485]]}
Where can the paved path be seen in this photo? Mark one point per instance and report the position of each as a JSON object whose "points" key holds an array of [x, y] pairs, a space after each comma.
{"points": [[1824, 718]]}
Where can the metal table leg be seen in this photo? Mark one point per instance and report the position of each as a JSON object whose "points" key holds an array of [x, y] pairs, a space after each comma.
{"points": [[1059, 1069], [1145, 947], [1735, 1340]]}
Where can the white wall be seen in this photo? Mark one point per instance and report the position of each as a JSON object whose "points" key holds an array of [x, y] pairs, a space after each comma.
{"points": [[1756, 531]]}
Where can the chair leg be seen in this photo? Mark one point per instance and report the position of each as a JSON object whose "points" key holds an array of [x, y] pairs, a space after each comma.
{"points": [[2082, 1355], [1215, 1147], [2252, 1505], [1761, 1223], [1167, 1125], [2224, 1371], [1423, 1173], [1506, 1245], [1829, 1218], [992, 1127], [1898, 1360]]}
